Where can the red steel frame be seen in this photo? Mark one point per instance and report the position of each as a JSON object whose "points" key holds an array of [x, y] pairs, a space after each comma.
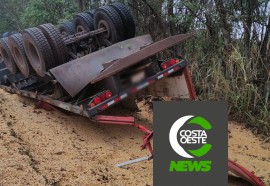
{"points": [[129, 121], [189, 84], [244, 173]]}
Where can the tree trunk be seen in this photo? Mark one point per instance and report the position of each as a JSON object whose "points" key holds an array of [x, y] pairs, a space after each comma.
{"points": [[211, 28], [247, 25], [265, 41], [81, 5], [226, 27], [171, 16]]}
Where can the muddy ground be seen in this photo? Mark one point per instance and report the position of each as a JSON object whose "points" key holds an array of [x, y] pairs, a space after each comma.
{"points": [[39, 147]]}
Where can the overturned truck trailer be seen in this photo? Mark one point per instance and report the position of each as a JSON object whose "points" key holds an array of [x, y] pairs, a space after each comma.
{"points": [[95, 63], [95, 82]]}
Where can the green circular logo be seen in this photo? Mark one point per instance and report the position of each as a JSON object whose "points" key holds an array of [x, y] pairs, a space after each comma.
{"points": [[190, 136]]}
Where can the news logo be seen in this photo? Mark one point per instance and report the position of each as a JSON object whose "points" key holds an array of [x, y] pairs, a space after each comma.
{"points": [[191, 136], [190, 143]]}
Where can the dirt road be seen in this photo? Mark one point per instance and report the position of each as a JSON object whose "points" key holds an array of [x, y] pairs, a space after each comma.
{"points": [[39, 147]]}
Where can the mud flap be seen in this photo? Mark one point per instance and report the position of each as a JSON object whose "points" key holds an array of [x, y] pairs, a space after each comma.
{"points": [[178, 86]]}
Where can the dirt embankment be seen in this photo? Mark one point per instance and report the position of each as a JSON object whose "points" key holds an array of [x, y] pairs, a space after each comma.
{"points": [[39, 147]]}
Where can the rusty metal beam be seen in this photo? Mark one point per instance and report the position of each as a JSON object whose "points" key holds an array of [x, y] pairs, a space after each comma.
{"points": [[82, 35], [66, 106]]}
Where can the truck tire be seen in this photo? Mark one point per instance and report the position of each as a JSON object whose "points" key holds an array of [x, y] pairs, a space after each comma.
{"points": [[67, 28], [126, 17], [56, 42], [6, 34], [15, 43], [7, 56], [107, 17], [38, 50], [91, 12], [83, 22]]}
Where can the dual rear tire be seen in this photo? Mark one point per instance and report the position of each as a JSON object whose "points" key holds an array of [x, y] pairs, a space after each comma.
{"points": [[36, 50], [40, 49], [108, 18], [83, 22], [115, 18], [15, 43], [67, 28], [44, 48], [126, 18]]}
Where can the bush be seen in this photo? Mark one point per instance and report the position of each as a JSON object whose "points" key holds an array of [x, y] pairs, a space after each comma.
{"points": [[222, 74]]}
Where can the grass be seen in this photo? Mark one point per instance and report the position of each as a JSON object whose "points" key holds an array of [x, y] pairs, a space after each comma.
{"points": [[219, 74]]}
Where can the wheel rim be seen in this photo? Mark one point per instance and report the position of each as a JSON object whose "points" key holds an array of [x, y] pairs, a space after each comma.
{"points": [[104, 24], [6, 59], [18, 57], [64, 33], [80, 28], [35, 59]]}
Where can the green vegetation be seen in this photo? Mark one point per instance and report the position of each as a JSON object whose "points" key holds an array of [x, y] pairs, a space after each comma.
{"points": [[229, 60], [20, 14]]}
